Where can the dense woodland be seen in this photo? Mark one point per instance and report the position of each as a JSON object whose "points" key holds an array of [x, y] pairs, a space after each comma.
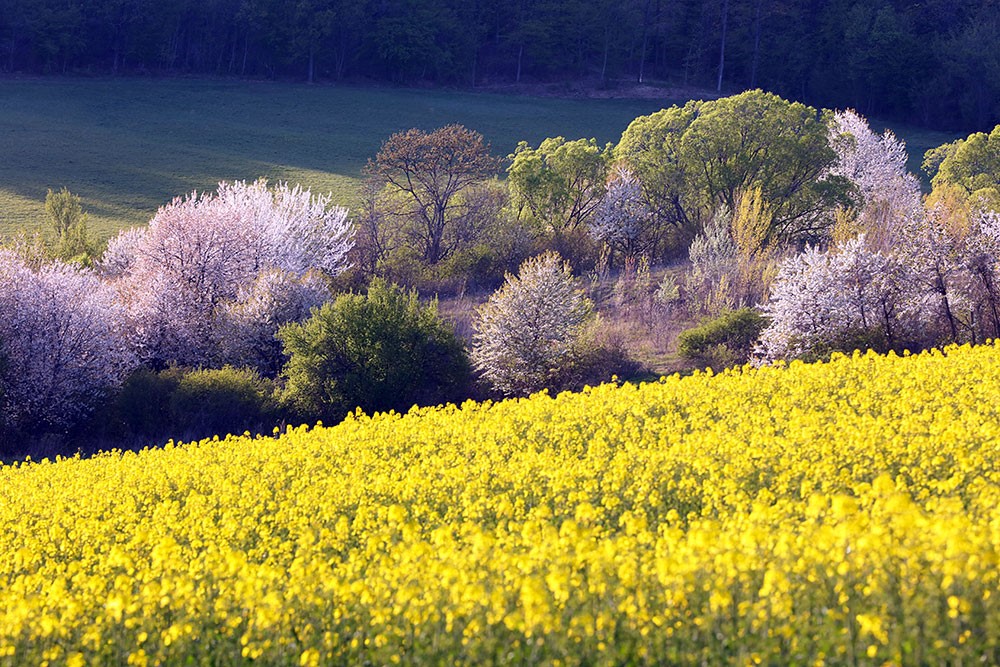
{"points": [[932, 62]]}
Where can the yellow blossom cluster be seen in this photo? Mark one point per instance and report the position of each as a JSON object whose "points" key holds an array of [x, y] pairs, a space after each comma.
{"points": [[838, 513]]}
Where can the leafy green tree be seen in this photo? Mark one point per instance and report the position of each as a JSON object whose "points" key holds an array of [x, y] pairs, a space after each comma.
{"points": [[559, 185], [651, 148], [379, 351], [220, 401], [64, 210], [67, 219], [723, 341], [696, 158], [972, 164]]}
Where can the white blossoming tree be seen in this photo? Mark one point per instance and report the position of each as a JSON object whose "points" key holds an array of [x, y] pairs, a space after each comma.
{"points": [[840, 299], [61, 343], [195, 275], [623, 220], [875, 164], [526, 332]]}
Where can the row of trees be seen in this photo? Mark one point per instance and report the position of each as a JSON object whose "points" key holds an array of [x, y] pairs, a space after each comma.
{"points": [[433, 206], [932, 61], [809, 220], [222, 314], [896, 271]]}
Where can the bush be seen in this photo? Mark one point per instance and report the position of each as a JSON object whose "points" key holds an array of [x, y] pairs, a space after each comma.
{"points": [[527, 332], [221, 401], [380, 351], [723, 341], [142, 405], [189, 404], [598, 363]]}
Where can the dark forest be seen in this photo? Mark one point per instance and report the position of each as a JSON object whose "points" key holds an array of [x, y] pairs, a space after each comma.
{"points": [[934, 62]]}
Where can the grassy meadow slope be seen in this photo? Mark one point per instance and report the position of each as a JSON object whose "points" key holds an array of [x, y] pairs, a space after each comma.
{"points": [[830, 514], [127, 146]]}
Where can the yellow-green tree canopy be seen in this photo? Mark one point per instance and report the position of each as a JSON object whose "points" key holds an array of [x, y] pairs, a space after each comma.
{"points": [[694, 158], [972, 164]]}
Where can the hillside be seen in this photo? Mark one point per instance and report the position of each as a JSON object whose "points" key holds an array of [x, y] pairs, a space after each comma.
{"points": [[129, 146], [838, 513]]}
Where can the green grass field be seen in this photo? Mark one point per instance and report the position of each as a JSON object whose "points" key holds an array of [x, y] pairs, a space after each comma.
{"points": [[127, 146]]}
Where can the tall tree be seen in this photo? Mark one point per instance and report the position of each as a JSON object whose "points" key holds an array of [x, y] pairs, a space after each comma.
{"points": [[695, 158], [559, 184], [430, 172]]}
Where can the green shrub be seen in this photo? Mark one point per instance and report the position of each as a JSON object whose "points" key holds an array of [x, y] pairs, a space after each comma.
{"points": [[188, 404], [142, 405], [723, 341], [225, 400], [380, 351]]}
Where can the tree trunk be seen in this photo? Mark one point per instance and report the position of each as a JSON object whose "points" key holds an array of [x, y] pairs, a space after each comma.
{"points": [[722, 45], [246, 49], [607, 46], [756, 45], [645, 41]]}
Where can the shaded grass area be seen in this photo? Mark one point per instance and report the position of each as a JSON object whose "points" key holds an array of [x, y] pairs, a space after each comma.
{"points": [[127, 146], [918, 141]]}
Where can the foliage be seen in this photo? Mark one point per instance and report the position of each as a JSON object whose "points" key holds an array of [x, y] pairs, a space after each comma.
{"points": [[714, 256], [239, 260], [723, 341], [221, 401], [491, 241], [427, 176], [246, 332], [771, 515], [527, 330], [69, 223], [62, 343], [651, 149], [558, 185], [141, 406], [972, 164], [189, 403], [694, 159], [64, 211], [379, 351], [935, 63]]}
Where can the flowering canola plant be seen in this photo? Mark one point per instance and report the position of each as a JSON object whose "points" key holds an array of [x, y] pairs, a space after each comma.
{"points": [[837, 513]]}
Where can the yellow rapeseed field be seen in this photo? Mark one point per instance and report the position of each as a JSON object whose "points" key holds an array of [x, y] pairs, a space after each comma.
{"points": [[828, 514]]}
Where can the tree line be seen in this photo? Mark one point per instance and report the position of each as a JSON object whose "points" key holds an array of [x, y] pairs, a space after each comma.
{"points": [[933, 62], [786, 232]]}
